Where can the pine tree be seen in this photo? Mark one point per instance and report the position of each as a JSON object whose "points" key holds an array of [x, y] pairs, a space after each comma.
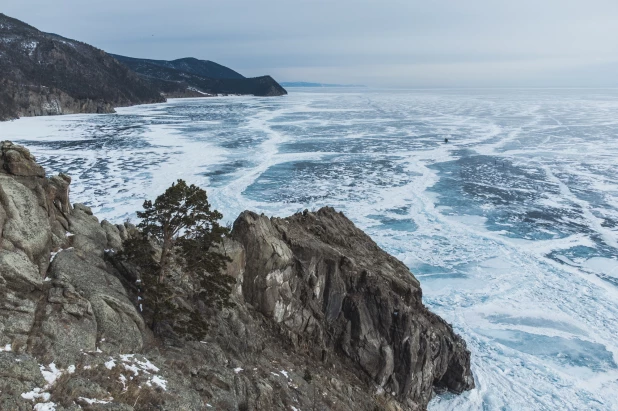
{"points": [[183, 224]]}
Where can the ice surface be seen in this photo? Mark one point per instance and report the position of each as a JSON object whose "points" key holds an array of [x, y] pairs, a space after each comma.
{"points": [[511, 227]]}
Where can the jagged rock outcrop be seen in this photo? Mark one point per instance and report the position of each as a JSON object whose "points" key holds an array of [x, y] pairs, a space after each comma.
{"points": [[336, 291], [324, 319]]}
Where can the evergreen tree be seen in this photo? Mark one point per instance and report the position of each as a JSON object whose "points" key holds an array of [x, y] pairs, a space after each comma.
{"points": [[189, 264]]}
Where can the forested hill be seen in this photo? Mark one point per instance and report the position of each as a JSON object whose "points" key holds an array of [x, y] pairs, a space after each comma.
{"points": [[190, 77], [189, 65], [44, 74]]}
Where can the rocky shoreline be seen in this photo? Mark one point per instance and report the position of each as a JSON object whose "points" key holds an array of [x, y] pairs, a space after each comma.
{"points": [[323, 318]]}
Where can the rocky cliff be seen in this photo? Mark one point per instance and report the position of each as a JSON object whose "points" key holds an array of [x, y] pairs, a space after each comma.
{"points": [[43, 74], [324, 319]]}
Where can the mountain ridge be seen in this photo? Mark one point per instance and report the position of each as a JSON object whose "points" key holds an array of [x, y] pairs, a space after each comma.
{"points": [[190, 77], [45, 74], [48, 74], [190, 65]]}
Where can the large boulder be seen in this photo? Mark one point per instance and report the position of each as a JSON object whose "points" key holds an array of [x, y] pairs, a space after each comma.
{"points": [[18, 161]]}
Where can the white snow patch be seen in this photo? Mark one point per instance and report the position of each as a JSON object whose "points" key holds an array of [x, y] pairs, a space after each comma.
{"points": [[123, 380], [132, 368], [110, 364], [45, 406], [147, 365], [198, 91], [36, 394], [30, 47], [158, 381], [6, 348], [91, 401], [50, 375]]}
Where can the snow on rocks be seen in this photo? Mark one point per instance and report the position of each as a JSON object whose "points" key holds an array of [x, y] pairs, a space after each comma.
{"points": [[110, 364], [91, 401], [137, 366], [36, 394], [45, 406], [134, 369], [158, 381], [29, 47], [51, 374]]}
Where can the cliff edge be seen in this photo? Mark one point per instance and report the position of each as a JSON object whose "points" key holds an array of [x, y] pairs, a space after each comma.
{"points": [[323, 318]]}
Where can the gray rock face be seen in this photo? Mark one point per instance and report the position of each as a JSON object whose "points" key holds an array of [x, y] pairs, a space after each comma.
{"points": [[57, 311], [336, 291]]}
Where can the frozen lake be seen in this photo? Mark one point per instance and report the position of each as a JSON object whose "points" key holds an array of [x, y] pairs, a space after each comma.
{"points": [[511, 226]]}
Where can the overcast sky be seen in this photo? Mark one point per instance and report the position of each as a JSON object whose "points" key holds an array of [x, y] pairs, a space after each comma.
{"points": [[387, 43]]}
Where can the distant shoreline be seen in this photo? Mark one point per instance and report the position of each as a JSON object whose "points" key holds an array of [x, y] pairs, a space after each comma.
{"points": [[317, 85]]}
